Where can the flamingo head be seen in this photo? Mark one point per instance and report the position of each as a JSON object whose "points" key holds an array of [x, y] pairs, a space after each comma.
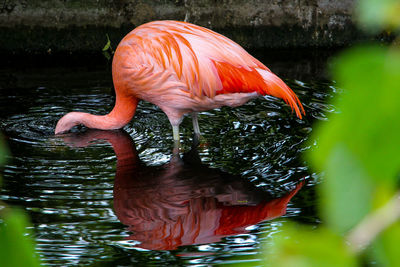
{"points": [[68, 121]]}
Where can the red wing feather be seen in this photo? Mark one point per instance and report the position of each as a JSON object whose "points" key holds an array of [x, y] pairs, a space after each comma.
{"points": [[238, 79], [246, 80]]}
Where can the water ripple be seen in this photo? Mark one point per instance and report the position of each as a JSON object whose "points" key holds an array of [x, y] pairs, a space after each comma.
{"points": [[69, 191]]}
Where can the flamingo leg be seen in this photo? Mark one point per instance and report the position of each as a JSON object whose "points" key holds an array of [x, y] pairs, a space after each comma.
{"points": [[175, 132], [196, 127]]}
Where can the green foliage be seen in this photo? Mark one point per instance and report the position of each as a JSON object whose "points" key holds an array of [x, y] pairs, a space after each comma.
{"points": [[301, 246], [385, 249], [107, 50], [358, 153], [358, 148], [16, 248], [108, 44], [369, 123], [344, 191]]}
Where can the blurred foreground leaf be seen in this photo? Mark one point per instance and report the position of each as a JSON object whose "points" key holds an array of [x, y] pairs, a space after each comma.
{"points": [[358, 149], [386, 248], [369, 123], [345, 191], [301, 246], [16, 248], [358, 153]]}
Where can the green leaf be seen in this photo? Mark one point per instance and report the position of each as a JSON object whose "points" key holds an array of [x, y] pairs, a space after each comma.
{"points": [[386, 248], [369, 122], [108, 44], [300, 246], [345, 193], [358, 147], [17, 249]]}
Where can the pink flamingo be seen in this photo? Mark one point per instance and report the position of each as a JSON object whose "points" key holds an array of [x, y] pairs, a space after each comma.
{"points": [[182, 68]]}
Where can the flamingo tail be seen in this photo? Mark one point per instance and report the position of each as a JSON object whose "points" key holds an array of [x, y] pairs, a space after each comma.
{"points": [[276, 87], [263, 81]]}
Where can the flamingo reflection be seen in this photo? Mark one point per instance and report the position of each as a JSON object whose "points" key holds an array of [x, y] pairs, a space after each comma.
{"points": [[183, 202]]}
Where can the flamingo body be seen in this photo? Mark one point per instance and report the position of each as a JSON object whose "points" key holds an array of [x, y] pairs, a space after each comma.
{"points": [[182, 68]]}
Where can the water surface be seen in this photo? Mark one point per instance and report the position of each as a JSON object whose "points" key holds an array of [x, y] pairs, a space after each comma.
{"points": [[120, 197]]}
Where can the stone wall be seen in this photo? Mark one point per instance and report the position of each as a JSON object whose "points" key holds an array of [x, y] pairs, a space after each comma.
{"points": [[50, 26]]}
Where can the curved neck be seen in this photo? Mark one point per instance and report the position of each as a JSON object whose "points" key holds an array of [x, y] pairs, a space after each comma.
{"points": [[121, 115]]}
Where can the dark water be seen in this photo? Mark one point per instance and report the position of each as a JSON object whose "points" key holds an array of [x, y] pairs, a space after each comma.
{"points": [[105, 198]]}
